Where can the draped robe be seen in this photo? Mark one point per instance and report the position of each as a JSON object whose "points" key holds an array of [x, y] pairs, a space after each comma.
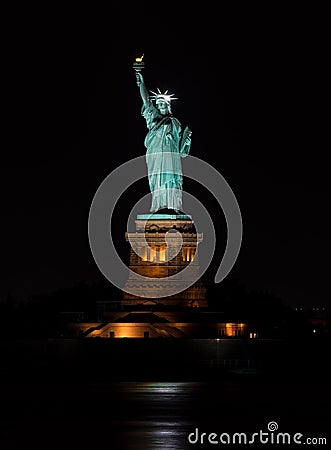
{"points": [[165, 146]]}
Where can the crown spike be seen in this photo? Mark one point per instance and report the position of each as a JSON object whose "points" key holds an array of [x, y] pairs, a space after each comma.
{"points": [[165, 96]]}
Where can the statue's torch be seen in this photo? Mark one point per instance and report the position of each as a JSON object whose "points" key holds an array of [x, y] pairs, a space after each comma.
{"points": [[138, 66]]}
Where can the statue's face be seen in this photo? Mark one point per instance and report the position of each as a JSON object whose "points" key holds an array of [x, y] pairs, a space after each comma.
{"points": [[162, 106]]}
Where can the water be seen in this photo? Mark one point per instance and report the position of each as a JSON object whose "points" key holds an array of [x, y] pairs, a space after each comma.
{"points": [[155, 415], [130, 395]]}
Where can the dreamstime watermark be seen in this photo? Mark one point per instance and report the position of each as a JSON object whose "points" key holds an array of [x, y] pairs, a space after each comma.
{"points": [[103, 248], [270, 436]]}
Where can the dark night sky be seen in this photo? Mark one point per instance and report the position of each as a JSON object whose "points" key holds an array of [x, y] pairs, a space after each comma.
{"points": [[251, 86]]}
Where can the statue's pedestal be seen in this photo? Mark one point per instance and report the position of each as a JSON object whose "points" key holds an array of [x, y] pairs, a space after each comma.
{"points": [[152, 259]]}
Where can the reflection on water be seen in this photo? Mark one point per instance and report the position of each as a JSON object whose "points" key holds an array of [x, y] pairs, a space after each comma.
{"points": [[153, 415], [157, 414], [156, 435]]}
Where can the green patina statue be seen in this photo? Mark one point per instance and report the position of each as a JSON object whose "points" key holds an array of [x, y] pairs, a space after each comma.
{"points": [[166, 143]]}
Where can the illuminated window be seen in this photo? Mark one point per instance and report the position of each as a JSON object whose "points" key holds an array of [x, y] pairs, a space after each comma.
{"points": [[162, 254], [144, 254], [188, 254], [155, 254], [152, 253], [234, 329]]}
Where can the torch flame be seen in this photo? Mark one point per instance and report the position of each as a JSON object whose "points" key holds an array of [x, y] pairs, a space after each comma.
{"points": [[139, 59]]}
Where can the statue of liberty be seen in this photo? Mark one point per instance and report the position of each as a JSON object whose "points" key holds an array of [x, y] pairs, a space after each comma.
{"points": [[166, 143]]}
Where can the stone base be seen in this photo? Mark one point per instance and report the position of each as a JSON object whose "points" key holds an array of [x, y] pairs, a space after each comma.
{"points": [[151, 230], [193, 297]]}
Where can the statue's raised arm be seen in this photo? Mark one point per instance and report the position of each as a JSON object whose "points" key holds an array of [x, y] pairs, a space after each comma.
{"points": [[142, 86]]}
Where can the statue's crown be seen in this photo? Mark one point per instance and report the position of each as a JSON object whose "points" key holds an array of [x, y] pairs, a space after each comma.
{"points": [[165, 96]]}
